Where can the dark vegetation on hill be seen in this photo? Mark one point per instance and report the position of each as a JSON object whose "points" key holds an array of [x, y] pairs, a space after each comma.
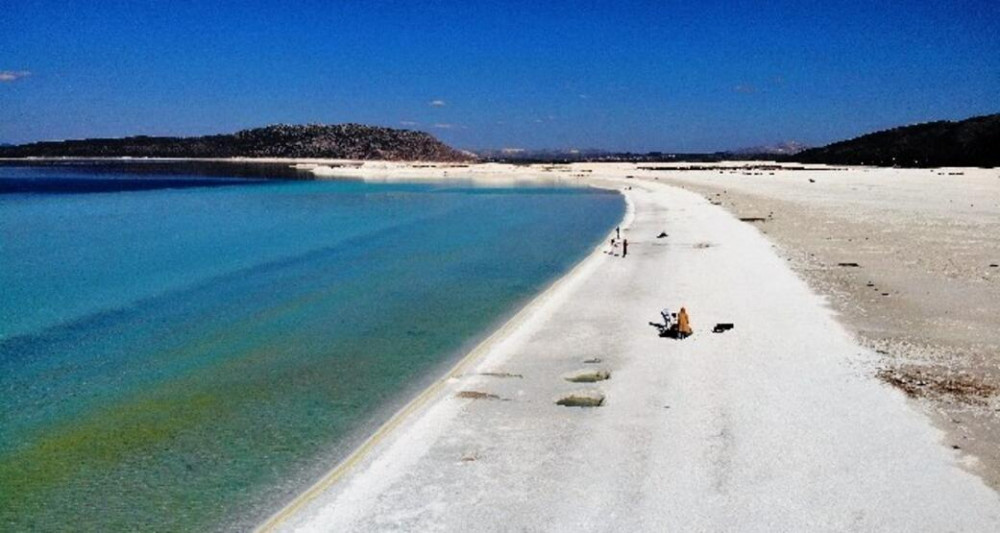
{"points": [[970, 142], [342, 141], [973, 142]]}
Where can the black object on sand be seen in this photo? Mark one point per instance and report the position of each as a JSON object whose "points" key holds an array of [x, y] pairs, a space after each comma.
{"points": [[661, 235], [722, 326]]}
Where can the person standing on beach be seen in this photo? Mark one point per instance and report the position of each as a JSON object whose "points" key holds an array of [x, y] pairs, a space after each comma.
{"points": [[624, 247], [683, 324], [618, 232]]}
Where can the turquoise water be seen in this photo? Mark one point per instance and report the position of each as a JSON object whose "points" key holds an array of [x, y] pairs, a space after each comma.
{"points": [[183, 353]]}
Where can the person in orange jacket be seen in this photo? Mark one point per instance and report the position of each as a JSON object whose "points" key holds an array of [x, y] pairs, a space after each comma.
{"points": [[683, 324]]}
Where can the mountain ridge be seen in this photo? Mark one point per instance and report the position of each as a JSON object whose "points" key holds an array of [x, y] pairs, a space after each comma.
{"points": [[339, 141], [974, 142]]}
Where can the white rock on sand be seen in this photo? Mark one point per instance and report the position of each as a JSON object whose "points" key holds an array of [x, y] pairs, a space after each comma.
{"points": [[776, 425]]}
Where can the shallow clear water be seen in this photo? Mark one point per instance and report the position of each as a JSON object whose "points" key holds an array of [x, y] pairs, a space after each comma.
{"points": [[177, 352]]}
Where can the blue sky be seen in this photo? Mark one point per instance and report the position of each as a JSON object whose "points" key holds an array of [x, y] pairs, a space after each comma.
{"points": [[625, 75]]}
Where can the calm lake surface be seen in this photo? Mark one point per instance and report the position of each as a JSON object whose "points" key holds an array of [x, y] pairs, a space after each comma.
{"points": [[183, 347]]}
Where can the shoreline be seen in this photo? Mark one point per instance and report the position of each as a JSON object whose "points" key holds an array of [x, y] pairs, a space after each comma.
{"points": [[433, 391], [525, 455], [525, 287], [434, 418]]}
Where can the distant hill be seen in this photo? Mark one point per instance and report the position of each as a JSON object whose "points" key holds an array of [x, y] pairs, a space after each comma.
{"points": [[342, 141], [785, 148], [973, 142]]}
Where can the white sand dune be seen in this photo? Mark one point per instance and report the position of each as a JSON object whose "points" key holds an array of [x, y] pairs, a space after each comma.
{"points": [[777, 425]]}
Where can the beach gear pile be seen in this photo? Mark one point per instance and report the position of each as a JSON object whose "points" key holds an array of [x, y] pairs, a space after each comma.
{"points": [[675, 325]]}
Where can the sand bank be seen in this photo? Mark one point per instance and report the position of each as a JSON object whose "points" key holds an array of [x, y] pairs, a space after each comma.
{"points": [[905, 256], [778, 424]]}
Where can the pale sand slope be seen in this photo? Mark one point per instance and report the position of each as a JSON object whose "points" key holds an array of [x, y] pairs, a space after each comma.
{"points": [[777, 425], [925, 294]]}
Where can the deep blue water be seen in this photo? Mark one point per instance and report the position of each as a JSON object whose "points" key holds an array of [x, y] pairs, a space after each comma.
{"points": [[177, 350]]}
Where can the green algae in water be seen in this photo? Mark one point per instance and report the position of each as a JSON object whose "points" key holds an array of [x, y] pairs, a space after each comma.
{"points": [[214, 349]]}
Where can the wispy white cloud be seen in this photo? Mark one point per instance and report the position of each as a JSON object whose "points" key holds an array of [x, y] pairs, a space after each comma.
{"points": [[13, 75], [437, 103], [409, 123], [745, 88], [445, 126]]}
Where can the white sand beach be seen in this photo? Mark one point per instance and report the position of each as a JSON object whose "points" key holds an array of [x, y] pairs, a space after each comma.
{"points": [[910, 260], [780, 424]]}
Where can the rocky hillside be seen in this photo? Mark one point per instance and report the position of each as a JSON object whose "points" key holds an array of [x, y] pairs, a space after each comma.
{"points": [[973, 142], [342, 141]]}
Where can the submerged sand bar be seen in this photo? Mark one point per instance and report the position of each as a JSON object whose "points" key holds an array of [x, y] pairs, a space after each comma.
{"points": [[776, 425]]}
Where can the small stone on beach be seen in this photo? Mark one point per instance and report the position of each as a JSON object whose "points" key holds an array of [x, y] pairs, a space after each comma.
{"points": [[582, 399], [589, 376], [477, 395]]}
